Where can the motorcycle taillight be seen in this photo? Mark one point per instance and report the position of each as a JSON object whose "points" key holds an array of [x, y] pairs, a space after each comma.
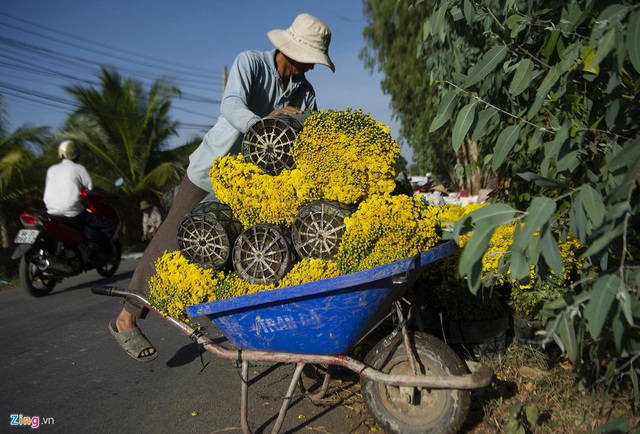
{"points": [[29, 220]]}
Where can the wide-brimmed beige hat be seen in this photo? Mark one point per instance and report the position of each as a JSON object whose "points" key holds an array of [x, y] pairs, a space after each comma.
{"points": [[306, 41], [441, 188], [144, 205]]}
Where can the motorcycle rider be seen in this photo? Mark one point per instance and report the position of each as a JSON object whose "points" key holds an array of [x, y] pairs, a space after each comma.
{"points": [[64, 182]]}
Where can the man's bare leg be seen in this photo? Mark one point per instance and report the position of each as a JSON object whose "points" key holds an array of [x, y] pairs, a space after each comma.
{"points": [[126, 322]]}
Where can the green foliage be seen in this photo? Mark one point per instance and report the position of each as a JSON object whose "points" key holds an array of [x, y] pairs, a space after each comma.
{"points": [[522, 418], [440, 288], [394, 35], [123, 130], [21, 179], [550, 94], [126, 130], [529, 302]]}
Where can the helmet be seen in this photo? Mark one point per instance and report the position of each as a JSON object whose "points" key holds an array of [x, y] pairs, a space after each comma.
{"points": [[68, 150]]}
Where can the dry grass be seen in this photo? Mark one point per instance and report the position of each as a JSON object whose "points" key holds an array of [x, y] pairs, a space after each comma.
{"points": [[544, 382]]}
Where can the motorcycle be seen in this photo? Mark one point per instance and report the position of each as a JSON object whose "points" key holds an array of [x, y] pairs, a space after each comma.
{"points": [[52, 248]]}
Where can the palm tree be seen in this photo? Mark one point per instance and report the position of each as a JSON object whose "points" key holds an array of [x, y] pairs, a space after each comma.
{"points": [[21, 176], [126, 131]]}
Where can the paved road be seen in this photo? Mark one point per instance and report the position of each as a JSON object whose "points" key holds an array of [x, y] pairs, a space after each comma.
{"points": [[59, 363]]}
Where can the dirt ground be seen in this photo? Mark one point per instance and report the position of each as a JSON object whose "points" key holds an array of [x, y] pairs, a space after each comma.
{"points": [[543, 383]]}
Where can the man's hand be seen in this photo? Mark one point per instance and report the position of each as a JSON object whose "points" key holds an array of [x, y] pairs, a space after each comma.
{"points": [[288, 110]]}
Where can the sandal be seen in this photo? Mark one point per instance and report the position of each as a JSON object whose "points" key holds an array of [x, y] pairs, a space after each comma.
{"points": [[133, 342]]}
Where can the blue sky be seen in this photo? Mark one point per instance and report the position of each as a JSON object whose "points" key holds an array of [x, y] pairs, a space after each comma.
{"points": [[48, 44]]}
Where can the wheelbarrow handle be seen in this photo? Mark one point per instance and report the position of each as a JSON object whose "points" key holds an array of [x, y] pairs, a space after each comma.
{"points": [[113, 291], [102, 290]]}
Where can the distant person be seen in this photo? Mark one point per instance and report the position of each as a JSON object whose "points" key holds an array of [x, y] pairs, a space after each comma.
{"points": [[260, 84], [151, 220], [63, 185]]}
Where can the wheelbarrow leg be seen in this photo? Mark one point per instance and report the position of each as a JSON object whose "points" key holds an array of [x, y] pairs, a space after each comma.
{"points": [[407, 393], [405, 339], [288, 396], [318, 395], [244, 398]]}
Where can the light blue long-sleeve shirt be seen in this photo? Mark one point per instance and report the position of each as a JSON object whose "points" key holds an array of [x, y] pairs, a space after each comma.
{"points": [[253, 90]]}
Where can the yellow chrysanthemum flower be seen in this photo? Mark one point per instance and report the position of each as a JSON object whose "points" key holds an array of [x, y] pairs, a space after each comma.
{"points": [[179, 283], [256, 197], [346, 155], [385, 229]]}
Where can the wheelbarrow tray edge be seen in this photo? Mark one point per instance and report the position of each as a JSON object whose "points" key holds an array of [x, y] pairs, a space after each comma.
{"points": [[328, 316], [217, 308]]}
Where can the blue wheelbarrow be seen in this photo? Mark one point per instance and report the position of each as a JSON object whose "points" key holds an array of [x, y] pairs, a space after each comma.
{"points": [[411, 382]]}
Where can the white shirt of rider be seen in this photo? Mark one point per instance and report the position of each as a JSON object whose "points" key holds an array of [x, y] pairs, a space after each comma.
{"points": [[64, 182]]}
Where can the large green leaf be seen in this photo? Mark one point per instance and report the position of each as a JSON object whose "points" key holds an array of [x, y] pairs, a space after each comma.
{"points": [[612, 113], [542, 181], [519, 266], [504, 145], [603, 294], [486, 64], [470, 265], [634, 380], [633, 39], [603, 240], [516, 23], [605, 45], [444, 110], [569, 57], [626, 158], [552, 149], [539, 213], [567, 333], [469, 11], [593, 205], [626, 303], [438, 20], [550, 251], [578, 219], [618, 328], [463, 123], [522, 78], [535, 139], [569, 162], [543, 91], [607, 19], [484, 117], [492, 214]]}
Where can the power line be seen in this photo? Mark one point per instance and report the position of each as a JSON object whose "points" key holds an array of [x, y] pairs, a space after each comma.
{"points": [[160, 63], [35, 64]]}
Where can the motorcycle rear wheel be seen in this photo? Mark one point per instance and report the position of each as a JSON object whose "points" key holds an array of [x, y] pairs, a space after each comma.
{"points": [[110, 268], [32, 279]]}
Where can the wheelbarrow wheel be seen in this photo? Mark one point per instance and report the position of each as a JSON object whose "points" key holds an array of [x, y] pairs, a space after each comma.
{"points": [[206, 235], [267, 144], [262, 254], [428, 410], [317, 230]]}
